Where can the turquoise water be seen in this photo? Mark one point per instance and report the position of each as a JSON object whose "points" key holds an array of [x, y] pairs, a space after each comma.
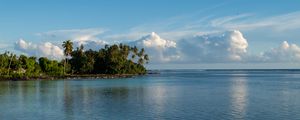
{"points": [[173, 94]]}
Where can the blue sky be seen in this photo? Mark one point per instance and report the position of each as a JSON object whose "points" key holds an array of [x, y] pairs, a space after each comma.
{"points": [[264, 24]]}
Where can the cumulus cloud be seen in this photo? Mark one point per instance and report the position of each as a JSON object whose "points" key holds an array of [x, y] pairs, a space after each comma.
{"points": [[227, 47], [153, 40], [230, 46], [284, 53], [159, 50], [46, 49]]}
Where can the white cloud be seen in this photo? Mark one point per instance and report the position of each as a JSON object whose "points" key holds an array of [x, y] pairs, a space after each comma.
{"points": [[46, 49], [284, 53], [159, 50], [227, 47], [153, 40], [230, 46]]}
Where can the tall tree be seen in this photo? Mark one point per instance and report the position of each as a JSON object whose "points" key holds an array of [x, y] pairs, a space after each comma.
{"points": [[146, 57], [68, 48]]}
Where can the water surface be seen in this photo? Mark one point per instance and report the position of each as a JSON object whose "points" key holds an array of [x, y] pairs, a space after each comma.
{"points": [[173, 94]]}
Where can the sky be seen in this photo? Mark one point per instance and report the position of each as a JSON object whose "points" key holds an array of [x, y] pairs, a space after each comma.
{"points": [[178, 34]]}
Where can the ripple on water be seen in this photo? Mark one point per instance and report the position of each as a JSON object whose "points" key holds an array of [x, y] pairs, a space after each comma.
{"points": [[179, 94]]}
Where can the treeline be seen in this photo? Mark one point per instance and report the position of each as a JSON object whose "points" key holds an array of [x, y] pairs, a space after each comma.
{"points": [[13, 66], [112, 59]]}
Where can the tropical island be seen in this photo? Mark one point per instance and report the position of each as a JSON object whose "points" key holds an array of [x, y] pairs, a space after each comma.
{"points": [[109, 62]]}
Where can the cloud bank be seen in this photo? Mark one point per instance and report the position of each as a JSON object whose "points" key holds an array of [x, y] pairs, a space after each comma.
{"points": [[221, 47], [227, 47], [284, 53]]}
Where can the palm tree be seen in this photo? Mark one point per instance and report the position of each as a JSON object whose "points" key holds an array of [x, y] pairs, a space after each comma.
{"points": [[10, 62], [141, 53], [146, 57], [68, 48], [141, 61], [134, 52], [142, 57]]}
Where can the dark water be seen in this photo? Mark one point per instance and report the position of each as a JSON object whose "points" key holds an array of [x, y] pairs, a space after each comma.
{"points": [[173, 94]]}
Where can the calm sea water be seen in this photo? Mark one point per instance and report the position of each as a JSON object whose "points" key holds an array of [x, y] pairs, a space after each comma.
{"points": [[173, 94]]}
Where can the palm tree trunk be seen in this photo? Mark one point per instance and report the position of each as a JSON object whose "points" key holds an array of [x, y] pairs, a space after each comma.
{"points": [[65, 66], [9, 65]]}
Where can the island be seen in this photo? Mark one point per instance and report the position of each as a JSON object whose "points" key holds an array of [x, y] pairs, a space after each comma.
{"points": [[111, 61]]}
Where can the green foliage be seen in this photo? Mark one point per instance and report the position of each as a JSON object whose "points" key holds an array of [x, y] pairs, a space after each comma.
{"points": [[51, 67], [79, 60], [16, 67], [112, 59]]}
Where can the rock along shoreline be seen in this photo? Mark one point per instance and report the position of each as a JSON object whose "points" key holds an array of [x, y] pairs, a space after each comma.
{"points": [[75, 76], [66, 77]]}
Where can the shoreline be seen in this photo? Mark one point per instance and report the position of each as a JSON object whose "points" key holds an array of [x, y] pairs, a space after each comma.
{"points": [[77, 76], [66, 77]]}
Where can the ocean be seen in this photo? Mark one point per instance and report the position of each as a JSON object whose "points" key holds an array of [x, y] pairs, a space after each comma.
{"points": [[169, 95]]}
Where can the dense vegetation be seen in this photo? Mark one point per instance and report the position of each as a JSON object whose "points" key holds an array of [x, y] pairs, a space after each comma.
{"points": [[114, 59]]}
